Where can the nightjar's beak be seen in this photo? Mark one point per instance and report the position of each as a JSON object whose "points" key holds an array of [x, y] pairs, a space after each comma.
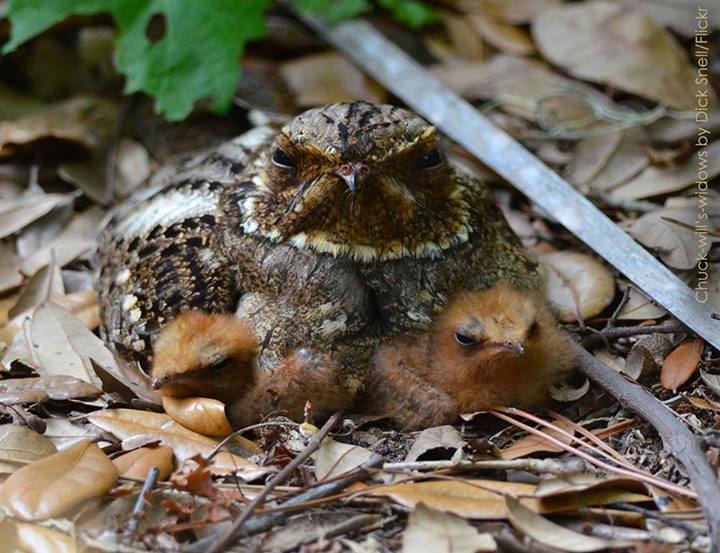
{"points": [[353, 174], [513, 348]]}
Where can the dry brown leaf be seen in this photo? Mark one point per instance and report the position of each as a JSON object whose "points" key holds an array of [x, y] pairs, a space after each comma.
{"points": [[83, 305], [628, 160], [655, 181], [712, 381], [333, 458], [465, 498], [548, 533], [441, 532], [513, 11], [437, 443], [703, 403], [681, 364], [40, 388], [605, 42], [130, 423], [17, 213], [466, 42], [83, 122], [678, 15], [66, 434], [199, 414], [504, 37], [535, 444], [138, 463], [591, 155], [10, 275], [577, 284], [75, 240], [44, 284], [582, 482], [61, 344], [327, 78], [638, 306], [48, 487], [670, 232], [34, 538], [19, 445]]}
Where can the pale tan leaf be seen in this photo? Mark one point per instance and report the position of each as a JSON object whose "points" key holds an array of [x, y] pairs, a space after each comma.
{"points": [[10, 275], [513, 11], [50, 486], [39, 539], [44, 284], [628, 159], [334, 458], [566, 391], [604, 42], [548, 533], [130, 423], [465, 498], [199, 414], [40, 388], [138, 462], [20, 212], [466, 42], [577, 284], [680, 16], [656, 181], [712, 381], [19, 445], [504, 37], [681, 364], [638, 307], [591, 155], [76, 239], [65, 434], [133, 166], [327, 78], [535, 444], [441, 532], [445, 440], [582, 482], [703, 403], [61, 344]]}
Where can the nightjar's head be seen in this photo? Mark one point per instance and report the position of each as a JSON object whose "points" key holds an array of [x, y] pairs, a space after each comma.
{"points": [[199, 354], [357, 179], [500, 325]]}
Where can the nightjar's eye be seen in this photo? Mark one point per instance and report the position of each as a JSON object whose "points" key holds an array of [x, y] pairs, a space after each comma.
{"points": [[534, 330], [432, 159], [282, 159], [219, 366], [465, 341]]}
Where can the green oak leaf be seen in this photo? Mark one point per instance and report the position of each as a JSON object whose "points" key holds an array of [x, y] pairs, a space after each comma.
{"points": [[334, 11], [412, 13], [197, 57]]}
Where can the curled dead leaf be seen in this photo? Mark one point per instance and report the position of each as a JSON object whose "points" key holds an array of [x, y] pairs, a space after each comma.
{"points": [[137, 463], [20, 445], [441, 532], [40, 388], [200, 414], [681, 364], [50, 486], [334, 458], [577, 284]]}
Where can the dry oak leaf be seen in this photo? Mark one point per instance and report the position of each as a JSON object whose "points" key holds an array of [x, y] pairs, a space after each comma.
{"points": [[48, 487], [535, 444], [517, 12], [577, 284], [607, 43], [441, 532], [548, 533], [145, 425], [334, 458], [20, 445], [505, 38], [40, 388], [137, 463], [200, 414], [466, 498], [681, 364], [17, 213]]}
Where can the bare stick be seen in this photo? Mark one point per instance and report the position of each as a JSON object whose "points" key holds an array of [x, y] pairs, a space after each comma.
{"points": [[612, 333], [676, 437], [540, 466], [141, 504], [280, 477], [265, 522]]}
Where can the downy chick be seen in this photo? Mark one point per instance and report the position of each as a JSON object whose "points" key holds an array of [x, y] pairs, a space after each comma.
{"points": [[212, 355], [495, 347]]}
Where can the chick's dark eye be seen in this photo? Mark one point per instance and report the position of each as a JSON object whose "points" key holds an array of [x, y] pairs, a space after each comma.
{"points": [[219, 366], [431, 159], [282, 159], [534, 330], [465, 341]]}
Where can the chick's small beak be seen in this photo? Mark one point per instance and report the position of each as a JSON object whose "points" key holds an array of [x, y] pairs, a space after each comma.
{"points": [[513, 348], [353, 174]]}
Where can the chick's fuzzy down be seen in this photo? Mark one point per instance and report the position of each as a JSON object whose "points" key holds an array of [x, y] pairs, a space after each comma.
{"points": [[495, 347]]}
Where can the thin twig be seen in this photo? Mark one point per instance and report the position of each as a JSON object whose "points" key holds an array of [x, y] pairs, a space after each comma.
{"points": [[280, 477], [141, 504], [676, 437], [540, 466], [612, 333], [242, 431], [265, 522]]}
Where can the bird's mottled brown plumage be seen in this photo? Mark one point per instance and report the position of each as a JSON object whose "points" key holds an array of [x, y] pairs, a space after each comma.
{"points": [[345, 228]]}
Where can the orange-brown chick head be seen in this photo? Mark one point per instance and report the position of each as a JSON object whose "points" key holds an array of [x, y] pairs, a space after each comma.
{"points": [[491, 327], [208, 355]]}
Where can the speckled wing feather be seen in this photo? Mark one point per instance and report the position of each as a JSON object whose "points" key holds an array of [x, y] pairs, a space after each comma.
{"points": [[158, 254]]}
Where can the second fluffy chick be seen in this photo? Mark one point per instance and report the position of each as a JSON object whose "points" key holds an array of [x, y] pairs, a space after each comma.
{"points": [[496, 347]]}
